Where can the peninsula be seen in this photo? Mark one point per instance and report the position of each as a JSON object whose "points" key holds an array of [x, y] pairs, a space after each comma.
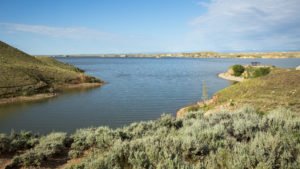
{"points": [[263, 87], [24, 77]]}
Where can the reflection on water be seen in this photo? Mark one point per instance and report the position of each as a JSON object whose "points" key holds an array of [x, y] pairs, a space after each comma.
{"points": [[137, 89], [16, 107]]}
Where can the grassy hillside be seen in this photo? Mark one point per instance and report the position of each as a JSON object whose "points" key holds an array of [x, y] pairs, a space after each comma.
{"points": [[239, 139], [279, 88], [22, 74]]}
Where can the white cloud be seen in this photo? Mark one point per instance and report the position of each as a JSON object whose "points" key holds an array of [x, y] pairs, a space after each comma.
{"points": [[247, 25], [77, 39], [58, 32]]}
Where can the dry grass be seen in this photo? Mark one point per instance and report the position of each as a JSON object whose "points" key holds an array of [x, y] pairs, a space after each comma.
{"points": [[280, 88], [23, 75]]}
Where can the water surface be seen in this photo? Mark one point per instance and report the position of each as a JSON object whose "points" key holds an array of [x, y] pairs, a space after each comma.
{"points": [[137, 89]]}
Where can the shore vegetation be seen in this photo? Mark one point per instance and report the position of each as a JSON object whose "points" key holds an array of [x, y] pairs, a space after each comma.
{"points": [[240, 139]]}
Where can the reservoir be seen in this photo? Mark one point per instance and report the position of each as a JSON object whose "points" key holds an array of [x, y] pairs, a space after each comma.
{"points": [[137, 89]]}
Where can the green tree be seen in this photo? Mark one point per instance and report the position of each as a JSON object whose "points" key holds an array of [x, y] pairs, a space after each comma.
{"points": [[238, 70]]}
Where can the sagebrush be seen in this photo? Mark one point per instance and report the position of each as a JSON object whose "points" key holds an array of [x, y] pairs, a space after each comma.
{"points": [[241, 139]]}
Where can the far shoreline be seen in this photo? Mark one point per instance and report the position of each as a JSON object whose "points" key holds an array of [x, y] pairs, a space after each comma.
{"points": [[207, 54], [167, 57]]}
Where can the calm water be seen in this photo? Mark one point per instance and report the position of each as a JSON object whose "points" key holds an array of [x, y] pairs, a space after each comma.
{"points": [[137, 89]]}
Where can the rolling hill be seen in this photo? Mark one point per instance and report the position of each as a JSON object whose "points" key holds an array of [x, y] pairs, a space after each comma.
{"points": [[280, 88], [25, 75]]}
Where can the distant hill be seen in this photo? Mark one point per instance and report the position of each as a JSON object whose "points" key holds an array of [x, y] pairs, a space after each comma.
{"points": [[23, 75], [274, 55]]}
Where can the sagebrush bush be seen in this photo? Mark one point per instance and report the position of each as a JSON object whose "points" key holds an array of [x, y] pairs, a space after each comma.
{"points": [[4, 143], [241, 139], [84, 139], [17, 141], [49, 146], [262, 71]]}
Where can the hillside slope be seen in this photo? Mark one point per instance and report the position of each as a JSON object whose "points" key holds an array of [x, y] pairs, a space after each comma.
{"points": [[23, 75], [280, 88]]}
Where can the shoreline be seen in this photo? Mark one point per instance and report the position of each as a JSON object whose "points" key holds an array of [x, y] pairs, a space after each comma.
{"points": [[35, 97], [192, 54], [226, 76], [42, 96], [189, 57], [182, 111], [81, 85]]}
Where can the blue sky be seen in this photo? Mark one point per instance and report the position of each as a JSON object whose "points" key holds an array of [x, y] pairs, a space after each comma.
{"points": [[132, 26]]}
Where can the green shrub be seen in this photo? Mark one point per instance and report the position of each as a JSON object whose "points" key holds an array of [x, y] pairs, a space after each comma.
{"points": [[49, 146], [194, 115], [169, 122], [4, 144], [52, 144], [30, 158], [82, 140], [240, 139], [262, 71], [17, 141], [238, 70], [101, 138], [23, 140], [74, 153]]}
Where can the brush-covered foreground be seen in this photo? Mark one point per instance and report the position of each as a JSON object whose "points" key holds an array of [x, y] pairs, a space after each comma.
{"points": [[240, 139], [23, 75]]}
